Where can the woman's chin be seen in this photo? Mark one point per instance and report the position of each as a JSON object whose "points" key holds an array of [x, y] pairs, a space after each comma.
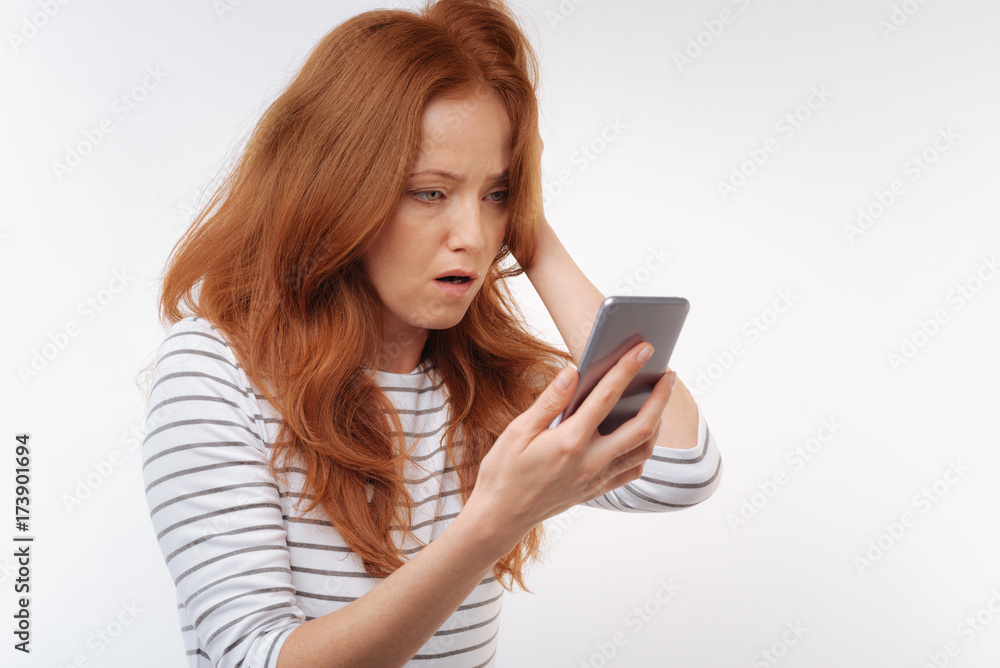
{"points": [[437, 315], [448, 321]]}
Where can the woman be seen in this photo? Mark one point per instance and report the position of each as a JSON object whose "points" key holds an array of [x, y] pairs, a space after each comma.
{"points": [[347, 457]]}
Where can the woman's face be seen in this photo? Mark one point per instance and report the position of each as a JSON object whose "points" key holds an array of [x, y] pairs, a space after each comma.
{"points": [[432, 256]]}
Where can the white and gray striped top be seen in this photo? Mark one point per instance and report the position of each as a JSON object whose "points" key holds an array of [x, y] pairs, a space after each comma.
{"points": [[248, 569]]}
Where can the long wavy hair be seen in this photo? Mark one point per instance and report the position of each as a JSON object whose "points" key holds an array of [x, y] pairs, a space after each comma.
{"points": [[273, 260]]}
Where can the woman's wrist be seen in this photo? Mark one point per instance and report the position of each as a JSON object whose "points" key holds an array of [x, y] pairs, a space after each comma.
{"points": [[490, 530], [543, 249], [569, 297]]}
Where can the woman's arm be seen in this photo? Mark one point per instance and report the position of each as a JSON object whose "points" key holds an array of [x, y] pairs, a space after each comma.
{"points": [[573, 302], [389, 624], [217, 513], [530, 474]]}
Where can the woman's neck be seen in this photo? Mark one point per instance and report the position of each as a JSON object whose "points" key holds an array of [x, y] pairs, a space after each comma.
{"points": [[402, 351]]}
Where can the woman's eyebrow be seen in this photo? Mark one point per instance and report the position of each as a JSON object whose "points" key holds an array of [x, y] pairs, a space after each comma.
{"points": [[452, 177]]}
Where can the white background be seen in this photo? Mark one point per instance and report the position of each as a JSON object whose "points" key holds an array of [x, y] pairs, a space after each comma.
{"points": [[677, 130]]}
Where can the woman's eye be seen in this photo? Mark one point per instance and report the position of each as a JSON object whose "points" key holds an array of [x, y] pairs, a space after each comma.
{"points": [[429, 195], [499, 195]]}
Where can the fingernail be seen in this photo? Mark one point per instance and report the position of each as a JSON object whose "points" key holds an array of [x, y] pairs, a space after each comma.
{"points": [[563, 379], [672, 380], [645, 354]]}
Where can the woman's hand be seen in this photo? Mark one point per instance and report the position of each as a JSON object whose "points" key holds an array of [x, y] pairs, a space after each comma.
{"points": [[533, 472]]}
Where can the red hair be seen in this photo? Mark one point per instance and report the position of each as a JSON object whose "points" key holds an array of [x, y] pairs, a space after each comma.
{"points": [[275, 257]]}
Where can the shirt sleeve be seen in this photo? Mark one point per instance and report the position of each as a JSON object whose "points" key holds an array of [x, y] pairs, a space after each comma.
{"points": [[214, 506], [672, 478]]}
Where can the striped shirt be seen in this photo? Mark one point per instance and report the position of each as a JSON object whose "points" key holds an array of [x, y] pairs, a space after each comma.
{"points": [[248, 568]]}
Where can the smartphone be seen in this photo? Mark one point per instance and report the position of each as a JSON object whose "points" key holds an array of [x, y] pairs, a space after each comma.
{"points": [[621, 324]]}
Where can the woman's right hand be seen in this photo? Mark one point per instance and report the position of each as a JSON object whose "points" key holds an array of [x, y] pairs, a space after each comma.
{"points": [[533, 472]]}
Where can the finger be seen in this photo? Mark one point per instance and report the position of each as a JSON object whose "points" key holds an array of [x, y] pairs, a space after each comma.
{"points": [[652, 409], [637, 456], [550, 403], [608, 391], [643, 428], [620, 480], [640, 453]]}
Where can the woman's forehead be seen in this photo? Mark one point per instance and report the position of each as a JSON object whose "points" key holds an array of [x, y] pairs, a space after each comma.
{"points": [[462, 133], [445, 114]]}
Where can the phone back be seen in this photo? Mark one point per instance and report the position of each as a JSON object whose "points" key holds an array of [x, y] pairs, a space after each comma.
{"points": [[622, 323]]}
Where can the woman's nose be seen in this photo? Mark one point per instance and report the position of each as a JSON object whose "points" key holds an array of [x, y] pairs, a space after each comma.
{"points": [[466, 230]]}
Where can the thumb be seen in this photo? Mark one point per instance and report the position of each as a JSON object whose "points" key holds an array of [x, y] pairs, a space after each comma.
{"points": [[553, 399]]}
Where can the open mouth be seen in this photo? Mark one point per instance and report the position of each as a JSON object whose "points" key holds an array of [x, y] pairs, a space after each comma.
{"points": [[454, 279]]}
